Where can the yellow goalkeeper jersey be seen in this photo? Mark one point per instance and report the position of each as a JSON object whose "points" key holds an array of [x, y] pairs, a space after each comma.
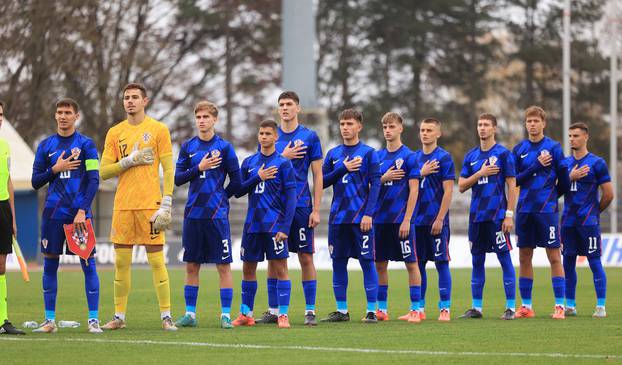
{"points": [[139, 186]]}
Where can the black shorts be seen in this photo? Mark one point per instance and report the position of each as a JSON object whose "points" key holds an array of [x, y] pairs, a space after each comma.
{"points": [[6, 228]]}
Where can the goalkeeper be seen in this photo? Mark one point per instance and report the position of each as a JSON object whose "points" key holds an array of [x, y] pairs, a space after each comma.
{"points": [[133, 151]]}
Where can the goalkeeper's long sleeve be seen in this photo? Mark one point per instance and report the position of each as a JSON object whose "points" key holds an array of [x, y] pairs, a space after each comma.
{"points": [[109, 169], [169, 174]]}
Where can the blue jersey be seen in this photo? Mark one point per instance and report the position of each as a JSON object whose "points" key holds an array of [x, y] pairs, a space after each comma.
{"points": [[538, 192], [71, 190], [581, 203], [488, 201], [431, 187], [354, 193], [268, 205], [207, 197], [301, 136], [393, 196]]}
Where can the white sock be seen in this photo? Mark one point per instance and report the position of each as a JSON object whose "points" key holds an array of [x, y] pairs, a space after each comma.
{"points": [[165, 314], [192, 315], [121, 316], [274, 311]]}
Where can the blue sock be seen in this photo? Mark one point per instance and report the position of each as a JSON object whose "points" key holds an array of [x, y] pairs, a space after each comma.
{"points": [[226, 296], [444, 284], [424, 283], [524, 286], [509, 279], [415, 297], [191, 293], [559, 288], [284, 289], [600, 280], [273, 299], [50, 286], [570, 272], [370, 281], [478, 278], [309, 287], [340, 283], [91, 287], [249, 289], [383, 292]]}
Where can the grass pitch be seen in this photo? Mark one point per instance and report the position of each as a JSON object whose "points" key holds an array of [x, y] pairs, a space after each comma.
{"points": [[490, 340]]}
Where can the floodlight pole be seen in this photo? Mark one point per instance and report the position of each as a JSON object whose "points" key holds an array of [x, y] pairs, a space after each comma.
{"points": [[613, 136], [566, 76]]}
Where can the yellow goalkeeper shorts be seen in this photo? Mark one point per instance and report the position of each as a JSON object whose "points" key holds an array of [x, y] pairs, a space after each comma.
{"points": [[132, 227]]}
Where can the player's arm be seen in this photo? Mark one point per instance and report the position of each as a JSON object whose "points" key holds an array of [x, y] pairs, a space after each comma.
{"points": [[233, 171], [12, 203], [448, 187], [91, 166], [331, 172], [373, 168], [606, 195], [561, 171], [183, 171], [413, 194], [318, 187], [249, 180], [288, 183], [508, 221], [41, 173]]}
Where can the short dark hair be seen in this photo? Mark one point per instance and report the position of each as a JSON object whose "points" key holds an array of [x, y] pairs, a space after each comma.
{"points": [[1, 104], [351, 114], [269, 123], [488, 116], [580, 125], [392, 116], [289, 95], [135, 85], [431, 120], [68, 102]]}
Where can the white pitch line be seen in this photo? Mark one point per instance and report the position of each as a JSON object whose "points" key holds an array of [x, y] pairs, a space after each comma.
{"points": [[317, 348]]}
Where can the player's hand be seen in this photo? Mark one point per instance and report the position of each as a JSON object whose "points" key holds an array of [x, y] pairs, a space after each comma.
{"points": [[404, 229], [208, 162], [392, 174], [280, 237], [437, 227], [507, 225], [267, 174], [488, 169], [430, 167], [314, 219], [65, 164], [545, 159], [79, 222], [353, 164], [143, 156], [366, 223], [162, 218], [295, 152], [579, 172]]}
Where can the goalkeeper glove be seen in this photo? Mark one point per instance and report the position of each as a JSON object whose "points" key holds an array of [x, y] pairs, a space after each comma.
{"points": [[143, 156], [162, 217]]}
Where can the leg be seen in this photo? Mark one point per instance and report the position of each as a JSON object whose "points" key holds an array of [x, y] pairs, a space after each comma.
{"points": [[424, 283], [370, 280], [557, 275], [570, 271], [600, 281], [509, 279], [478, 279], [91, 286], [525, 280], [155, 256], [284, 286], [249, 287], [444, 284], [340, 284], [383, 285], [226, 288], [3, 292], [122, 278], [414, 283], [273, 300], [191, 289], [309, 280], [50, 284]]}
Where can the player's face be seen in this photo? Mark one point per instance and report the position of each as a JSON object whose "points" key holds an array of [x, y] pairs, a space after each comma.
{"points": [[288, 109], [534, 125], [350, 128], [66, 118], [134, 102], [577, 138], [392, 130], [267, 137], [485, 129], [429, 133], [204, 121]]}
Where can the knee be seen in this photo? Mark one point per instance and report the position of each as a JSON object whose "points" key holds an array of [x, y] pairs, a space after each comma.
{"points": [[305, 259], [223, 269], [381, 267], [192, 269]]}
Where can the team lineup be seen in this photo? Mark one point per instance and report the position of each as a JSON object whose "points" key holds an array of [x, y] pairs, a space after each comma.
{"points": [[388, 205]]}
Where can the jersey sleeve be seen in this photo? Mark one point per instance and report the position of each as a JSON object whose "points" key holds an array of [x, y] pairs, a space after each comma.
{"points": [[601, 172], [165, 147], [41, 173], [413, 169], [316, 148], [287, 174], [448, 168], [509, 164], [232, 167], [91, 157], [465, 166], [110, 147], [183, 171]]}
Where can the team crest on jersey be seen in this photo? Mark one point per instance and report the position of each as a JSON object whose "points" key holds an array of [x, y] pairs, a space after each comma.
{"points": [[298, 143], [75, 152], [544, 153], [215, 153], [146, 137], [399, 162], [492, 160], [44, 243], [357, 157]]}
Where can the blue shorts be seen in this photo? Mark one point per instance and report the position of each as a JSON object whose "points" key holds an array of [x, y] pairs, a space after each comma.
{"points": [[389, 245], [301, 236], [348, 241], [537, 230], [581, 241], [256, 245], [207, 241], [430, 247], [488, 237], [53, 240]]}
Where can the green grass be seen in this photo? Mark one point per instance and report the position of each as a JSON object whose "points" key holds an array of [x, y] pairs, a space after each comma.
{"points": [[580, 335]]}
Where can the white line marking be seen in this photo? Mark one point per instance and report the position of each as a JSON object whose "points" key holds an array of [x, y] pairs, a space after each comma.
{"points": [[317, 348]]}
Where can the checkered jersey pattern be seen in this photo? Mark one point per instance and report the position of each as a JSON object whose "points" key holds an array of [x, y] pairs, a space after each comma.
{"points": [[207, 198], [538, 194], [394, 194], [488, 200], [581, 203], [431, 187], [351, 191], [266, 200], [66, 190]]}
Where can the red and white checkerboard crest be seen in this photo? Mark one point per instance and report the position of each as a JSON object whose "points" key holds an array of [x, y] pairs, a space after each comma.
{"points": [[399, 162], [146, 137], [215, 153], [492, 160], [298, 143], [75, 152]]}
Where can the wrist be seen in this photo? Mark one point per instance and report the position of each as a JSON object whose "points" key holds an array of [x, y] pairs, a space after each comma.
{"points": [[509, 214]]}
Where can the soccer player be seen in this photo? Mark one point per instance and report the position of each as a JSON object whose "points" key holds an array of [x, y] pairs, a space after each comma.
{"points": [[394, 232], [268, 179], [352, 169], [302, 147], [487, 170], [580, 233], [134, 150], [8, 228], [541, 177], [205, 161], [431, 218], [68, 162]]}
